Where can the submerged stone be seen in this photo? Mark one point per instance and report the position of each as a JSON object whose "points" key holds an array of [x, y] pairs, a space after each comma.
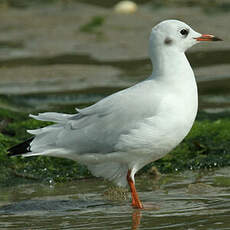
{"points": [[116, 193], [199, 188]]}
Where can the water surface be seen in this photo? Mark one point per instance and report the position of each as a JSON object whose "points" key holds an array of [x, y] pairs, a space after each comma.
{"points": [[192, 201], [48, 64]]}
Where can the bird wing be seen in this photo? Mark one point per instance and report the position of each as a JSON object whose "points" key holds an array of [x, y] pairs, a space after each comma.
{"points": [[97, 128]]}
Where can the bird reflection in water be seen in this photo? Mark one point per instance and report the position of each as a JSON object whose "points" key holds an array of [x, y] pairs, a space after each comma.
{"points": [[136, 219]]}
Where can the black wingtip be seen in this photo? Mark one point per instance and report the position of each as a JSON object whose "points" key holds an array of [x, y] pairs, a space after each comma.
{"points": [[215, 39], [20, 148]]}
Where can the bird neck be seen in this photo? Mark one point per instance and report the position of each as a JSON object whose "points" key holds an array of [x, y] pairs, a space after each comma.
{"points": [[169, 62]]}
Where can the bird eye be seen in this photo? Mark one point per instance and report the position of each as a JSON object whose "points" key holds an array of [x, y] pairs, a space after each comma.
{"points": [[184, 32]]}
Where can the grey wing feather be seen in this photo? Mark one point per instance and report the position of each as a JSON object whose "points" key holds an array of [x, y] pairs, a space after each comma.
{"points": [[97, 128]]}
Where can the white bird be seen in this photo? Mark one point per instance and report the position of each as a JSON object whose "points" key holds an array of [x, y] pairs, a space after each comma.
{"points": [[123, 132]]}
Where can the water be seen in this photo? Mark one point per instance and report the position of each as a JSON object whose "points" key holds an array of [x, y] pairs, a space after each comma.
{"points": [[184, 201], [46, 64], [54, 94]]}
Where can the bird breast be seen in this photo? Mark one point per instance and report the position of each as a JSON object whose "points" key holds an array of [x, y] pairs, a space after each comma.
{"points": [[155, 136]]}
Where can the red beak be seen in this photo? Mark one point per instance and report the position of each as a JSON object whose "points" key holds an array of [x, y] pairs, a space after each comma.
{"points": [[208, 37]]}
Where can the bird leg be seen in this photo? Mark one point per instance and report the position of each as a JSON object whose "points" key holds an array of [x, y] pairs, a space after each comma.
{"points": [[136, 203]]}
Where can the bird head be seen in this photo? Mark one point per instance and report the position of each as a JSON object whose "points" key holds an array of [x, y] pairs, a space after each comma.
{"points": [[177, 35]]}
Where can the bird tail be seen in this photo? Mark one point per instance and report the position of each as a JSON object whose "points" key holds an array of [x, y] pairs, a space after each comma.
{"points": [[20, 148], [44, 138]]}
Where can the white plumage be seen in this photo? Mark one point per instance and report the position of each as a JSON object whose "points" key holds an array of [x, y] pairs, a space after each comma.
{"points": [[135, 126]]}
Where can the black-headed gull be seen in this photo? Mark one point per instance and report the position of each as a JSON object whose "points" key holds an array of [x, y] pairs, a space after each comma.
{"points": [[120, 134]]}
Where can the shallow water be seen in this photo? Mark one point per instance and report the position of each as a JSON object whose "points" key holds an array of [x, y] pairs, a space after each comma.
{"points": [[189, 201], [56, 94], [46, 63], [76, 70]]}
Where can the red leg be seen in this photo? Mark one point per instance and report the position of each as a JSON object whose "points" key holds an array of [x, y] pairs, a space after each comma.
{"points": [[136, 203]]}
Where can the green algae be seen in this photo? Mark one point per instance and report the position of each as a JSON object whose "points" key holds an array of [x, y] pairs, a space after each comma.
{"points": [[93, 25], [222, 181], [206, 147], [17, 169]]}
